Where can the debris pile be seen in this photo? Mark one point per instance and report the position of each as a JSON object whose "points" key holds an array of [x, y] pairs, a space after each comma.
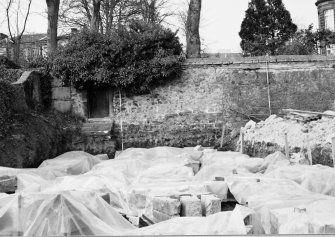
{"points": [[267, 137]]}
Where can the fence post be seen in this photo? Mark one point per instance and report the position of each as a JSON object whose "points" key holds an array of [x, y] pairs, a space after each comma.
{"points": [[333, 149], [268, 82], [309, 151], [222, 134], [242, 141]]}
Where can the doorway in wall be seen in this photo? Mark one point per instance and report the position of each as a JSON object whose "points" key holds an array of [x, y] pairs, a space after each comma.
{"points": [[99, 103]]}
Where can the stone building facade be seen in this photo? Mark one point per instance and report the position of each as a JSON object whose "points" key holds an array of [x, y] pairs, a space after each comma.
{"points": [[326, 12]]}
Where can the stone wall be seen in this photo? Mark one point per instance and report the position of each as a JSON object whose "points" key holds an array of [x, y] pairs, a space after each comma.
{"points": [[68, 99], [213, 92], [28, 86]]}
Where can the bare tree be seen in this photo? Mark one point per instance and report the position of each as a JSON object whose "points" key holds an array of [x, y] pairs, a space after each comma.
{"points": [[153, 11], [111, 14], [193, 43], [53, 10], [17, 35], [96, 17]]}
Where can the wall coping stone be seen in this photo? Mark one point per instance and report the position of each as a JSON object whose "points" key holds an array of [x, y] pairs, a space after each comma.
{"points": [[25, 76], [260, 59]]}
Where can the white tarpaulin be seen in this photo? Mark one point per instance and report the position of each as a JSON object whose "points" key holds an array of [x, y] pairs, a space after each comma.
{"points": [[316, 178], [223, 164], [266, 194], [71, 163], [223, 223], [313, 218], [65, 213]]}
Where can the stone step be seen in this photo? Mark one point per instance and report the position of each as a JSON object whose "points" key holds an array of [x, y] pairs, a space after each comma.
{"points": [[97, 128]]}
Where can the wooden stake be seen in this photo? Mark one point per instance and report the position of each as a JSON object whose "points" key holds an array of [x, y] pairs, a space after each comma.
{"points": [[286, 147], [242, 141], [333, 146], [121, 120], [309, 150], [222, 134], [268, 82]]}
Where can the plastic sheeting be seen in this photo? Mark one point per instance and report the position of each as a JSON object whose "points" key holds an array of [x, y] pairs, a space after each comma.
{"points": [[316, 178], [164, 173], [66, 213], [314, 218], [132, 168], [71, 163], [274, 161], [100, 184], [223, 223], [223, 164], [266, 194]]}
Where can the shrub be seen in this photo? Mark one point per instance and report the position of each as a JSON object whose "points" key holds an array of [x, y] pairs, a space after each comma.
{"points": [[7, 99], [8, 64], [134, 58]]}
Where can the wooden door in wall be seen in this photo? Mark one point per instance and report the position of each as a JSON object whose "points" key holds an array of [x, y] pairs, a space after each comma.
{"points": [[98, 103]]}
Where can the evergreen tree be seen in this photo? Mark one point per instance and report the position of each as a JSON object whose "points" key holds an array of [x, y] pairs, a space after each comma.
{"points": [[266, 27]]}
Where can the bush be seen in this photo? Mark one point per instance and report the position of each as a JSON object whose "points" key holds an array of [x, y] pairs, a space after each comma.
{"points": [[8, 64], [7, 99], [134, 58], [38, 62]]}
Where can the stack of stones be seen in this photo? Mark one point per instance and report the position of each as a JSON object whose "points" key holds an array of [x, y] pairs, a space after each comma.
{"points": [[165, 208]]}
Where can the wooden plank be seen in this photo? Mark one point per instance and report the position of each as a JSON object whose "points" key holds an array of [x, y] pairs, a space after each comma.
{"points": [[286, 147], [307, 112]]}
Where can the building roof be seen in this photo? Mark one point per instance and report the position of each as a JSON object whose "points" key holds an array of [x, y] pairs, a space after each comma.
{"points": [[321, 1], [3, 36], [33, 38]]}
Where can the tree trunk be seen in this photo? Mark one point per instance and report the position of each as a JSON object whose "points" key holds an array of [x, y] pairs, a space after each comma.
{"points": [[16, 51], [53, 9], [192, 31], [95, 22]]}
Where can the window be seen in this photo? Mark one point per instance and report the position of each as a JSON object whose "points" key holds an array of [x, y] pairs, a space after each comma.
{"points": [[329, 19]]}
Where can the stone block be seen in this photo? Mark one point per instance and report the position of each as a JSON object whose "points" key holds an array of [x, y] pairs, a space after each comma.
{"points": [[166, 205], [62, 106], [190, 206], [159, 216], [210, 204], [8, 184], [61, 93]]}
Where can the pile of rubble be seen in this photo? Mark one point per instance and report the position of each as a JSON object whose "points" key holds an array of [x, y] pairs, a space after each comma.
{"points": [[266, 137], [167, 191]]}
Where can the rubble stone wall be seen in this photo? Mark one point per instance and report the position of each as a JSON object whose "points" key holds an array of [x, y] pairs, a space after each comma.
{"points": [[211, 92]]}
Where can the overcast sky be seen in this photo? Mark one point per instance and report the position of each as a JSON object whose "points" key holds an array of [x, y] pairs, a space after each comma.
{"points": [[221, 19]]}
